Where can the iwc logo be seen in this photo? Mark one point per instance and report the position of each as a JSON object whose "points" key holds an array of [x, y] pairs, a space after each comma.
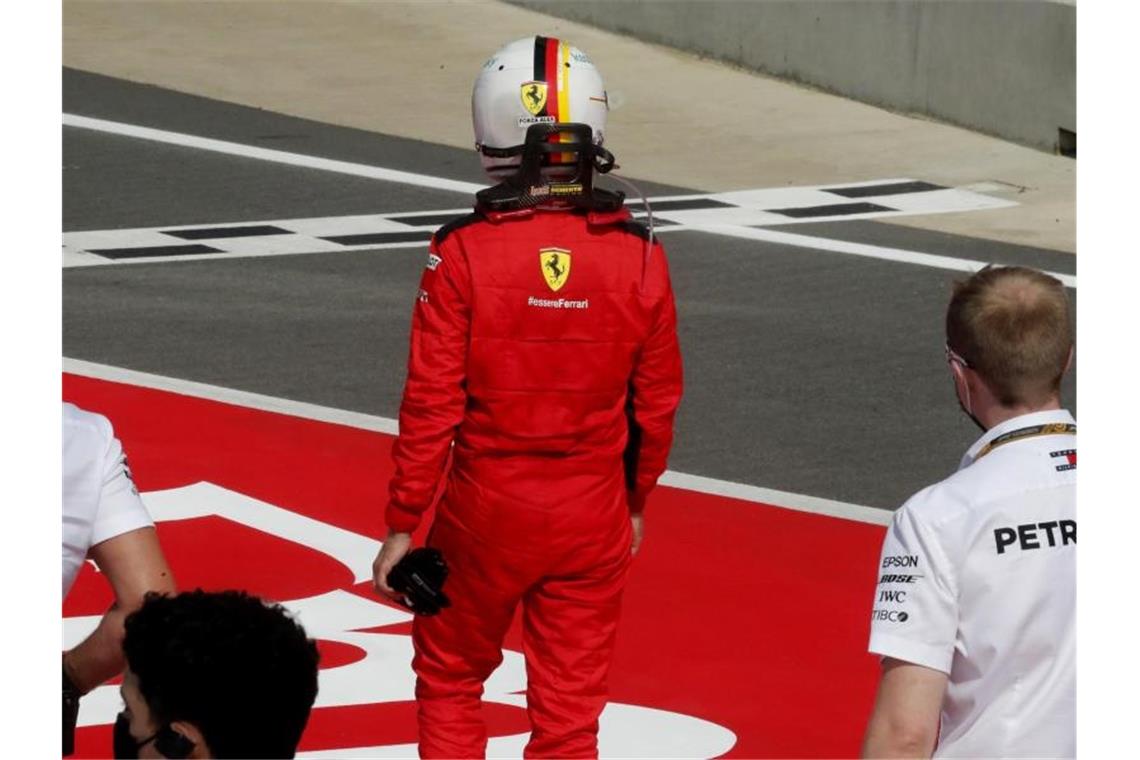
{"points": [[555, 263], [533, 96]]}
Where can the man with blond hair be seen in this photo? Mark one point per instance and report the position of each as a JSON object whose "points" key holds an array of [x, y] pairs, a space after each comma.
{"points": [[975, 608]]}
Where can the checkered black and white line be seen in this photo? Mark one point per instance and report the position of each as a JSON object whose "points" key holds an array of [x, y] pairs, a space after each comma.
{"points": [[743, 208]]}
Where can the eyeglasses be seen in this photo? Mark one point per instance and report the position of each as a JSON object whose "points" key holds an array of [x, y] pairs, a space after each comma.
{"points": [[954, 356]]}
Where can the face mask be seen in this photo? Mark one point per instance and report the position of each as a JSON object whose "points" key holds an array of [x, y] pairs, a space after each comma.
{"points": [[963, 403], [965, 406], [124, 743]]}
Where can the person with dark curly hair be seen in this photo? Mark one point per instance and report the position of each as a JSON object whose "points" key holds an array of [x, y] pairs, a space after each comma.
{"points": [[214, 675]]}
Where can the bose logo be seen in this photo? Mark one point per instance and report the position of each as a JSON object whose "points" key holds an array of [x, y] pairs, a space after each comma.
{"points": [[899, 578]]}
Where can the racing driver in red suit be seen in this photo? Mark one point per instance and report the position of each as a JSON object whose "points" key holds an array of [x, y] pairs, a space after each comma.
{"points": [[544, 359]]}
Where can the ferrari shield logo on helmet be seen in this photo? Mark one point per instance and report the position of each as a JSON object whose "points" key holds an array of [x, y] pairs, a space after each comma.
{"points": [[555, 266], [533, 96]]}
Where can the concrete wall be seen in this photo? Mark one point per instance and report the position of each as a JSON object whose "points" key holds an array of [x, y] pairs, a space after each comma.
{"points": [[1006, 67]]}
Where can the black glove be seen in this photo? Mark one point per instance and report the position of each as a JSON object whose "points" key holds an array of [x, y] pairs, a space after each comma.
{"points": [[71, 697], [419, 576]]}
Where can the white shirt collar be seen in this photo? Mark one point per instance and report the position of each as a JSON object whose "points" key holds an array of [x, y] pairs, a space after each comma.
{"points": [[1025, 420]]}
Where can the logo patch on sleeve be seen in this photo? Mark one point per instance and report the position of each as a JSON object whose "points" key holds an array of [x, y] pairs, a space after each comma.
{"points": [[1070, 462], [433, 261], [555, 266]]}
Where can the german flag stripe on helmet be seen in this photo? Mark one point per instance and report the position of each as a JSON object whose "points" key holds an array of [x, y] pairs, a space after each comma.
{"points": [[553, 78], [562, 93], [550, 58], [542, 69], [563, 86]]}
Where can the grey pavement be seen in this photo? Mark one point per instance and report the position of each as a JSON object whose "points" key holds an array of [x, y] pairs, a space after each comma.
{"points": [[807, 371], [404, 68]]}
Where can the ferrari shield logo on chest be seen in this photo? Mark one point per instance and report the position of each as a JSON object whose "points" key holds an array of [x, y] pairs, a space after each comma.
{"points": [[555, 263], [533, 96]]}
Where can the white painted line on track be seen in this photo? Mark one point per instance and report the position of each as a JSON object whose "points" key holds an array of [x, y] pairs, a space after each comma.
{"points": [[72, 258], [854, 249], [265, 154], [798, 502], [230, 396], [700, 484], [77, 244]]}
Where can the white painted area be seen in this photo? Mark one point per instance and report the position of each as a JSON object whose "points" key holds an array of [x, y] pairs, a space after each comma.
{"points": [[356, 225], [756, 207], [265, 154], [939, 202], [781, 197], [293, 248], [73, 258], [635, 731], [304, 236], [384, 673], [389, 426], [353, 551], [623, 731], [738, 217], [857, 249]]}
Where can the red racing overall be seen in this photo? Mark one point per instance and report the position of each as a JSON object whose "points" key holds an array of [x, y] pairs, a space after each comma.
{"points": [[544, 347]]}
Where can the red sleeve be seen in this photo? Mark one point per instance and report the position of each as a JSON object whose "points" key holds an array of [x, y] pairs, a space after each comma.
{"points": [[655, 391], [435, 392]]}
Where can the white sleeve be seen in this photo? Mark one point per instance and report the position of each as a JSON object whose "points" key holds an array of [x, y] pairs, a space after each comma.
{"points": [[120, 508], [915, 614]]}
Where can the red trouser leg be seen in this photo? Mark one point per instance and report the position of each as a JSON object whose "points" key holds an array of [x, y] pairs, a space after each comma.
{"points": [[458, 649], [569, 628]]}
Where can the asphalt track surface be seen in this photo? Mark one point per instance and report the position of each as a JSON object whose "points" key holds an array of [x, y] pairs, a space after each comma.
{"points": [[807, 371]]}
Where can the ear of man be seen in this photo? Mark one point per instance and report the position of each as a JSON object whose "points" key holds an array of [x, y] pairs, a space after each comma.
{"points": [[181, 740]]}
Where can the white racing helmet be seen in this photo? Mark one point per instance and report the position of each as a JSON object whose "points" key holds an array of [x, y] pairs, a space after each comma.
{"points": [[535, 80]]}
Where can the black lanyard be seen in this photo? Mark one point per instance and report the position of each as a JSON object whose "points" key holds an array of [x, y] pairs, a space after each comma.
{"points": [[1053, 428]]}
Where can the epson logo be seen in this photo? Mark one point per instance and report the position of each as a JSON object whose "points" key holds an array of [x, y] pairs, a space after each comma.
{"points": [[901, 560]]}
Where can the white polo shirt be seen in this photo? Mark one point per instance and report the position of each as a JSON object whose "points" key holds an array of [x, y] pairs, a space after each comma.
{"points": [[100, 500], [977, 579]]}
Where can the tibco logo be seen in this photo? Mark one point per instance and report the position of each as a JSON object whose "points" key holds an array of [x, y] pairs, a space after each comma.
{"points": [[891, 616]]}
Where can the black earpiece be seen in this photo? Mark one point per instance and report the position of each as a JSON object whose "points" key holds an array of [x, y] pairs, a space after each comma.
{"points": [[173, 744]]}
